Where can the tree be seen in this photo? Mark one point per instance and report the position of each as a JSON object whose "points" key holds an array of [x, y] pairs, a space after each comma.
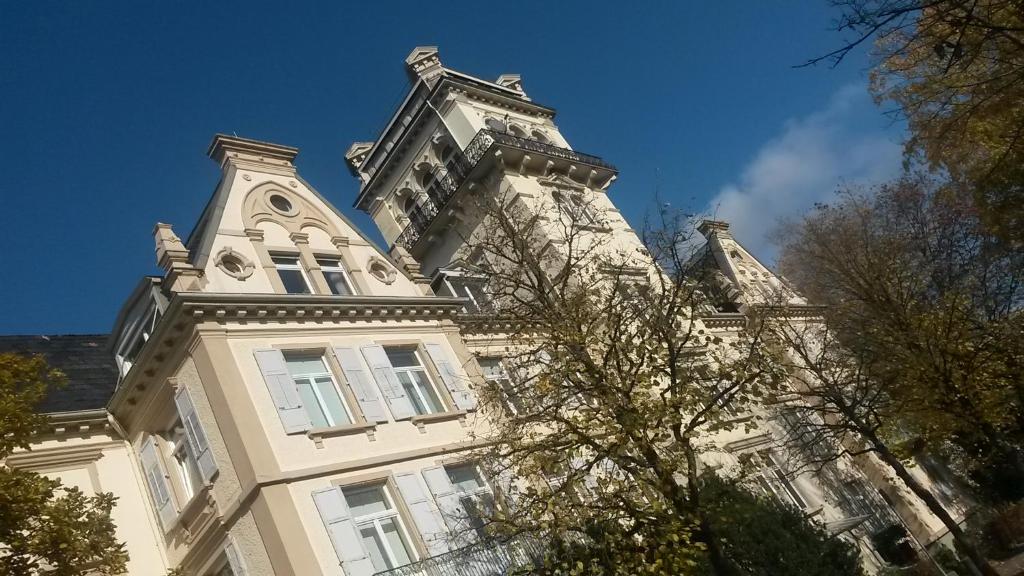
{"points": [[45, 526], [618, 388], [919, 346], [761, 536], [955, 71]]}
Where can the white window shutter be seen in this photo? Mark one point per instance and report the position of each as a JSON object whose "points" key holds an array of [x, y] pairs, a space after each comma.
{"points": [[330, 502], [234, 557], [283, 391], [159, 488], [578, 463], [195, 433], [362, 386], [387, 381], [461, 394], [450, 503], [427, 518]]}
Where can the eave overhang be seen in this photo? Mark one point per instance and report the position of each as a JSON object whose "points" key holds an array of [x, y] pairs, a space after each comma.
{"points": [[187, 309], [450, 80]]}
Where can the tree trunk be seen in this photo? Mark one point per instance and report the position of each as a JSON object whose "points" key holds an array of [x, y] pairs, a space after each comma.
{"points": [[964, 542]]}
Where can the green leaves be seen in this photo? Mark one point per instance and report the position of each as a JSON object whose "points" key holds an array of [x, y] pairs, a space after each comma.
{"points": [[45, 526]]}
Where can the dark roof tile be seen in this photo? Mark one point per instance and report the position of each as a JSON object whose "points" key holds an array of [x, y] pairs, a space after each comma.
{"points": [[84, 359]]}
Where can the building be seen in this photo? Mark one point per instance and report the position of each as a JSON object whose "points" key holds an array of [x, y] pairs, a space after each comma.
{"points": [[288, 398]]}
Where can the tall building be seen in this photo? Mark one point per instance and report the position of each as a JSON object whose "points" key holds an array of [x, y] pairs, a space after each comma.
{"points": [[288, 398]]}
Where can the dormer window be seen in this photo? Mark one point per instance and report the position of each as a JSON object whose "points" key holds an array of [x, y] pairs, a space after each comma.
{"points": [[336, 276], [293, 277], [461, 285]]}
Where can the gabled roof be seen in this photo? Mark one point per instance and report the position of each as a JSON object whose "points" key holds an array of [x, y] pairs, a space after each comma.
{"points": [[83, 358]]}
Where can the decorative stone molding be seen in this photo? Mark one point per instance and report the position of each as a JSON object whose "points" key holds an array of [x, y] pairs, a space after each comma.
{"points": [[272, 202], [234, 264], [381, 270], [72, 456]]}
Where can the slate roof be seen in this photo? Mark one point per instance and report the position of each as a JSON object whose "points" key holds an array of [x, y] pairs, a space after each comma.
{"points": [[84, 359]]}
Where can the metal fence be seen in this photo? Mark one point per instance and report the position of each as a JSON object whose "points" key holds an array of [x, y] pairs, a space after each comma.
{"points": [[488, 558]]}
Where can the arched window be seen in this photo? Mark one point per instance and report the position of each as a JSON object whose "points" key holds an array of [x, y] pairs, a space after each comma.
{"points": [[409, 206], [495, 124], [541, 137], [517, 130]]}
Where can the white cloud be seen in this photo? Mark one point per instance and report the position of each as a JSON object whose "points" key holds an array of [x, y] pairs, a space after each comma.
{"points": [[845, 142]]}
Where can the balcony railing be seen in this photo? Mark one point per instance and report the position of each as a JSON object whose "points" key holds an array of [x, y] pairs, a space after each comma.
{"points": [[489, 558], [447, 180]]}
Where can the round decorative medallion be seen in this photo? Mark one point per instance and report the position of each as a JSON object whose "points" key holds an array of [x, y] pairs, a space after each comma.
{"points": [[293, 183], [381, 270], [234, 264], [246, 177]]}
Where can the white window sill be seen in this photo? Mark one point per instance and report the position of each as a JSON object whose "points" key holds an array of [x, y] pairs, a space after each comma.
{"points": [[421, 420], [318, 434]]}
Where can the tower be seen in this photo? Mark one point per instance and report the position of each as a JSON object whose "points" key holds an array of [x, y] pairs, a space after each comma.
{"points": [[456, 136]]}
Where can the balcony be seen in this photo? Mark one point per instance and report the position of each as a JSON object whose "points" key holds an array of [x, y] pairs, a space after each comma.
{"points": [[490, 558], [448, 180]]}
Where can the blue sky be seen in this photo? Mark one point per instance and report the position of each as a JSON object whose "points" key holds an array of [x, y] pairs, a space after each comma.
{"points": [[106, 111]]}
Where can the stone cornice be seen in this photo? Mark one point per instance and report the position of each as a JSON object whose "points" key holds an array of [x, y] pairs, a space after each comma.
{"points": [[77, 423], [188, 309], [243, 307], [730, 320], [63, 456]]}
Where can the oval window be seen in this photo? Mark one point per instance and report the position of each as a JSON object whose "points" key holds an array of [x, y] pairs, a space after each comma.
{"points": [[280, 203]]}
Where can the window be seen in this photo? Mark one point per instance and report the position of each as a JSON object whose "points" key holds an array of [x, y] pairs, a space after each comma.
{"points": [[318, 390], [140, 334], [495, 375], [774, 481], [414, 380], [463, 286], [292, 275], [184, 462], [384, 536], [474, 494], [281, 204], [575, 207], [336, 276]]}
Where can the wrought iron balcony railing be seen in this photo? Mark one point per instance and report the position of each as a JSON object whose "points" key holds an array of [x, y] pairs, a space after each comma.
{"points": [[488, 558], [447, 180]]}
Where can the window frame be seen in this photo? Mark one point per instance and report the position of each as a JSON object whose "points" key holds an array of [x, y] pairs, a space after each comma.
{"points": [[338, 268], [475, 496], [329, 372], [573, 205], [773, 480], [188, 480], [504, 383], [481, 303], [428, 371], [394, 511], [303, 273]]}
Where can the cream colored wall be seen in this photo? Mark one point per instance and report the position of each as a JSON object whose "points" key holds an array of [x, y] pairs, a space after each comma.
{"points": [[231, 233], [297, 452], [114, 470], [314, 530]]}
